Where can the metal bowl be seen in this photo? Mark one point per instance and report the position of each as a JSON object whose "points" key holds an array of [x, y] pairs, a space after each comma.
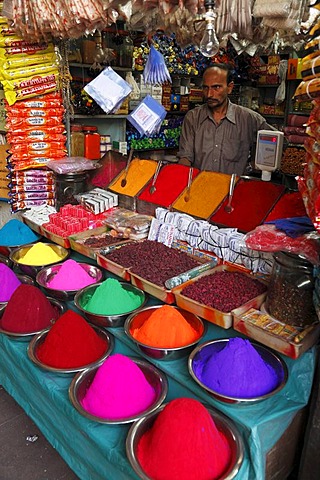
{"points": [[46, 274], [23, 279], [107, 320], [82, 381], [27, 336], [40, 338], [270, 357], [17, 254], [137, 319], [224, 425], [6, 260]]}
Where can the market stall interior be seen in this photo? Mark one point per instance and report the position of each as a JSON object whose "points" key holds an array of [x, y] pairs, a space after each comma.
{"points": [[160, 164]]}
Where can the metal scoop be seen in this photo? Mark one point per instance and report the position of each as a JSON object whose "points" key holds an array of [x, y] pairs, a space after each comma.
{"points": [[124, 180], [152, 188], [187, 194], [229, 208]]}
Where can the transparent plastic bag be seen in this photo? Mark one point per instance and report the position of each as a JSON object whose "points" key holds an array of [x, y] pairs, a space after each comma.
{"points": [[72, 165], [267, 238]]}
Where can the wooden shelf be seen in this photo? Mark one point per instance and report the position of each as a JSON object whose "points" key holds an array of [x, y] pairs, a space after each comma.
{"points": [[267, 85], [305, 114], [89, 65], [106, 116], [272, 116]]}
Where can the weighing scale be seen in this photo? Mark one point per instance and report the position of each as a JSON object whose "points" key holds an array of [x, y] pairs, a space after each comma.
{"points": [[268, 152]]}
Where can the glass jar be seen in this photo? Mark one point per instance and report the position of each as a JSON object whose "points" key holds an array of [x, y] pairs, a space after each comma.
{"points": [[290, 292], [76, 141], [126, 53], [91, 142], [88, 49]]}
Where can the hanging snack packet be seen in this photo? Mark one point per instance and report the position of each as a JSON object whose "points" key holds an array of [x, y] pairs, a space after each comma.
{"points": [[108, 89], [25, 49], [30, 87]]}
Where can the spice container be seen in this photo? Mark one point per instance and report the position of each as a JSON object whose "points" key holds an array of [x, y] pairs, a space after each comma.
{"points": [[88, 49], [126, 53], [76, 141], [68, 185], [91, 142], [289, 298]]}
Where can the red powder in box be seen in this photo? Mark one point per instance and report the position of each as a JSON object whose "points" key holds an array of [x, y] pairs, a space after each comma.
{"points": [[71, 343], [252, 201], [171, 181], [184, 443], [289, 205], [28, 310]]}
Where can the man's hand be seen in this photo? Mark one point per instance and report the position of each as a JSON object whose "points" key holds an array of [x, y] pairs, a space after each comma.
{"points": [[184, 161]]}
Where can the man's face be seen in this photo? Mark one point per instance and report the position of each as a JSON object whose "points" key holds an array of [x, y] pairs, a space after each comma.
{"points": [[215, 88]]}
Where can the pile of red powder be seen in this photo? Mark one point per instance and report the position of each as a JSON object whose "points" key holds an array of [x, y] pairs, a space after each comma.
{"points": [[252, 201], [28, 311], [171, 182], [289, 205], [184, 443], [71, 343]]}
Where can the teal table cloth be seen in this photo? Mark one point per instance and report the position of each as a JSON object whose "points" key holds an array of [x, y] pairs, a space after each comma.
{"points": [[97, 452]]}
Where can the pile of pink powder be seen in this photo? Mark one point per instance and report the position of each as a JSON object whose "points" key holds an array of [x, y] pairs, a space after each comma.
{"points": [[70, 276], [118, 390]]}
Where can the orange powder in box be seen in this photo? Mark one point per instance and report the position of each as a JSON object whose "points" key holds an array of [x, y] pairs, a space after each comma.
{"points": [[139, 173], [166, 328], [207, 191]]}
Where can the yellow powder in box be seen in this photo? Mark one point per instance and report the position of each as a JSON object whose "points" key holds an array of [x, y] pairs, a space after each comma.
{"points": [[207, 191], [40, 254], [139, 173]]}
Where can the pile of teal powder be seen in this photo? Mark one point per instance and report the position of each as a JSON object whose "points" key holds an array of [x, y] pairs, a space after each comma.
{"points": [[15, 233]]}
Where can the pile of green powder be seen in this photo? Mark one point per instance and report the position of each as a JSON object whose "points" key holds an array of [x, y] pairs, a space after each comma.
{"points": [[111, 298]]}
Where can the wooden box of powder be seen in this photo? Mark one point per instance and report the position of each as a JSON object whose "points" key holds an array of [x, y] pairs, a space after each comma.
{"points": [[63, 241], [213, 315], [139, 173], [113, 267], [36, 227], [90, 242], [166, 295], [283, 338]]}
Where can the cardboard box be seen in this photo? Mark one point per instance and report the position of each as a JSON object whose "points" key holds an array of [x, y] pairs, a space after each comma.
{"points": [[3, 156], [273, 59], [294, 69], [166, 89]]}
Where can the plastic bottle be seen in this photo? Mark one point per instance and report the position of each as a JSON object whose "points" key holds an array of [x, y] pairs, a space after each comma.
{"points": [[91, 142]]}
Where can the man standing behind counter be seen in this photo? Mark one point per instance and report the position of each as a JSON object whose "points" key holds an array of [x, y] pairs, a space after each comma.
{"points": [[219, 135]]}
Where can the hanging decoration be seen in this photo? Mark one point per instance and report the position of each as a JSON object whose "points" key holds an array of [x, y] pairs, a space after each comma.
{"points": [[155, 71]]}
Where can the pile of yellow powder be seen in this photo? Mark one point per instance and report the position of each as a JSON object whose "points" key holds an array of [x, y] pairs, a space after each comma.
{"points": [[139, 173], [40, 254], [207, 191]]}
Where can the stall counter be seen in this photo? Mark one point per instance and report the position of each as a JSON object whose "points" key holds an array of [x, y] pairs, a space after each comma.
{"points": [[96, 451]]}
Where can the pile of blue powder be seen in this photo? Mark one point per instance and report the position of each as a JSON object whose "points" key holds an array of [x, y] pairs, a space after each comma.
{"points": [[15, 233]]}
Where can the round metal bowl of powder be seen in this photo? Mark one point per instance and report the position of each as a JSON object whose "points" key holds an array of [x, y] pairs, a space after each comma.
{"points": [[39, 342], [237, 371], [63, 280], [164, 332], [175, 436], [108, 303], [32, 258], [26, 336], [124, 389]]}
